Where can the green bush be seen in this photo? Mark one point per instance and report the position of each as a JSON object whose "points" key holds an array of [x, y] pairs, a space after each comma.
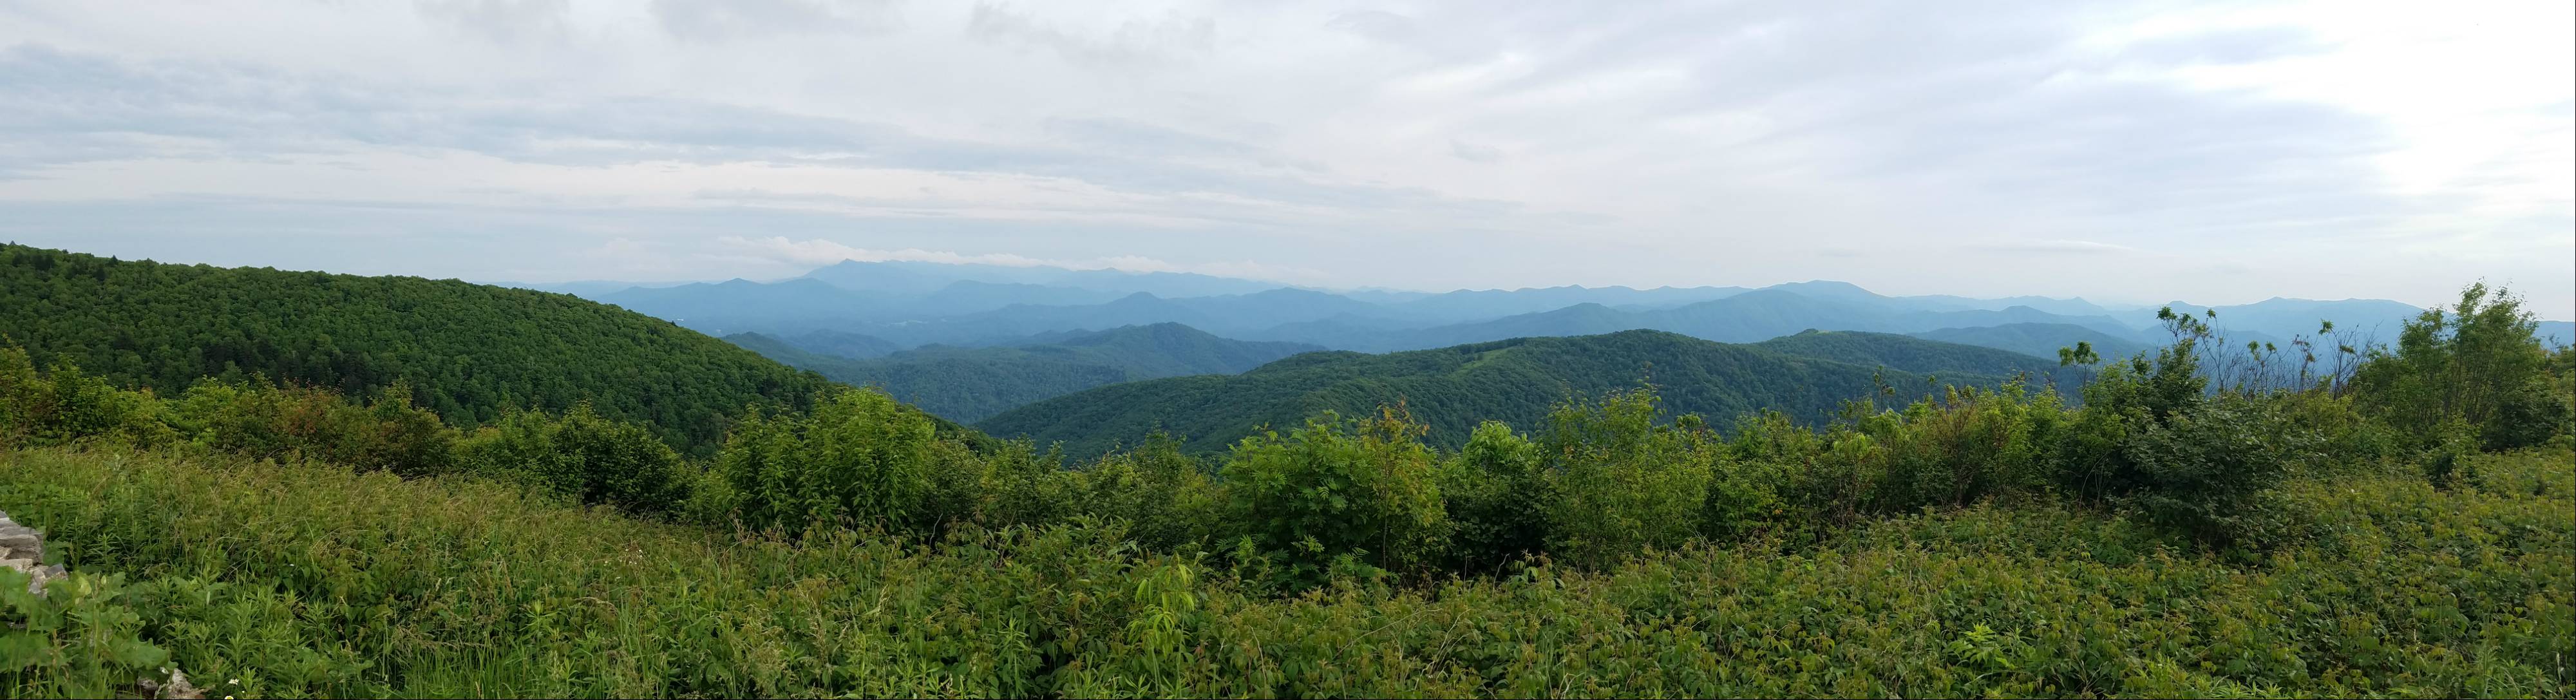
{"points": [[1623, 482], [859, 458], [80, 640], [2476, 362], [2208, 471], [1365, 489], [1496, 492], [581, 456]]}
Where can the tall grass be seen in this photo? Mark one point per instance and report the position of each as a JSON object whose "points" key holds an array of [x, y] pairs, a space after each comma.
{"points": [[311, 580]]}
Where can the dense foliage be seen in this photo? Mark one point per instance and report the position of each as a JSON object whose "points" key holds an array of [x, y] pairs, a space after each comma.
{"points": [[1513, 381], [970, 384], [468, 352], [2173, 533], [310, 581]]}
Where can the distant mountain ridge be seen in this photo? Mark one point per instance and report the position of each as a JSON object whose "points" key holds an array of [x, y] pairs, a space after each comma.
{"points": [[1514, 380], [970, 383], [914, 304]]}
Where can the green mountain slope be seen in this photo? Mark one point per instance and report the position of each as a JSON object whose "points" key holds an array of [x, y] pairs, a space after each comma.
{"points": [[1450, 389], [1921, 356], [2037, 339], [970, 384], [468, 351]]}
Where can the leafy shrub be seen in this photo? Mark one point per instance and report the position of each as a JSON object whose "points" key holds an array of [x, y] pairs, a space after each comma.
{"points": [[268, 422], [2206, 471], [581, 456], [1623, 483], [80, 640], [1496, 493], [858, 458], [2475, 362], [1359, 488]]}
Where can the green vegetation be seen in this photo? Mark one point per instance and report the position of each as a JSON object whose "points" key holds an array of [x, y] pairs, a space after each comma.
{"points": [[469, 353], [1513, 381], [2174, 534], [970, 384]]}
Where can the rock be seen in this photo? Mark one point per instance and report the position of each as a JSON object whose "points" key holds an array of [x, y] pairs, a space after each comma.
{"points": [[37, 575], [175, 686], [23, 548]]}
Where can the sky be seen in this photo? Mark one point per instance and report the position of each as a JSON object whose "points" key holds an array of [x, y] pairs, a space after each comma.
{"points": [[2123, 152]]}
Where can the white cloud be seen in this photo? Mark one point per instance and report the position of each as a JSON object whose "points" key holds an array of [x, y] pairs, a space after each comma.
{"points": [[817, 252], [2345, 150]]}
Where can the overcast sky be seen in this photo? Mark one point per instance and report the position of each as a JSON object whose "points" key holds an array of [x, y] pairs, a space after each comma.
{"points": [[2219, 153]]}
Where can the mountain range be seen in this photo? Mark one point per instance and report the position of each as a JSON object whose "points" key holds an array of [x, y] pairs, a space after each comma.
{"points": [[970, 383], [876, 308]]}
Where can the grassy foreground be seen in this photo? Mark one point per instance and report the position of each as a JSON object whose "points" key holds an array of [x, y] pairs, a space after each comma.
{"points": [[311, 580]]}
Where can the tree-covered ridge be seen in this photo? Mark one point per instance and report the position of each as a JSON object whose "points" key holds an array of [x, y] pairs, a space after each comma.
{"points": [[468, 352], [2037, 339], [970, 384], [1513, 381], [1922, 356]]}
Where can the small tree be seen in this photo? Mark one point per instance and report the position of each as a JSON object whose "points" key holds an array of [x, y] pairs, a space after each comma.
{"points": [[2476, 364], [1498, 494]]}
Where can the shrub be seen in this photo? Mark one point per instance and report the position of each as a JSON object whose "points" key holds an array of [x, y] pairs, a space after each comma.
{"points": [[1360, 488], [1623, 483], [80, 640], [1496, 492], [2206, 471], [581, 456], [2477, 362], [859, 458]]}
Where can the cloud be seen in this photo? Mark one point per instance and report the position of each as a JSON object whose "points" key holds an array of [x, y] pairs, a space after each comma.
{"points": [[2045, 247], [2359, 151], [1133, 43], [692, 21], [818, 252], [507, 22], [1474, 152]]}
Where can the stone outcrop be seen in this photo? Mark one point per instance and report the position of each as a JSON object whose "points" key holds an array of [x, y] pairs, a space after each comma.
{"points": [[23, 548]]}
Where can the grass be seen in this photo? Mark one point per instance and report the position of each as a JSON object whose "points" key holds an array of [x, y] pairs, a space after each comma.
{"points": [[305, 580]]}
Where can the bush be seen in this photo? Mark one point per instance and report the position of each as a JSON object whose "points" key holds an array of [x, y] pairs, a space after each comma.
{"points": [[2476, 362], [1623, 483], [860, 458], [580, 456], [2206, 471], [1365, 489], [80, 640], [1497, 495]]}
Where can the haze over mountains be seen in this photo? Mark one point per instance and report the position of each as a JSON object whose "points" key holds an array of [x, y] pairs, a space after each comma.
{"points": [[912, 304], [974, 342]]}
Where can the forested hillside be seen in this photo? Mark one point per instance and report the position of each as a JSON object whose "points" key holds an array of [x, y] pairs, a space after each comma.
{"points": [[2037, 339], [1513, 381], [1927, 357], [970, 384], [468, 352]]}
